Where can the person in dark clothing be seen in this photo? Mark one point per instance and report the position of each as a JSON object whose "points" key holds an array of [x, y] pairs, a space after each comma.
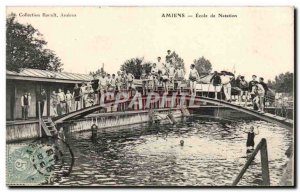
{"points": [[76, 96], [251, 89], [250, 139], [252, 82], [216, 81], [95, 83], [243, 85], [25, 103], [42, 98], [265, 86], [168, 56], [95, 86]]}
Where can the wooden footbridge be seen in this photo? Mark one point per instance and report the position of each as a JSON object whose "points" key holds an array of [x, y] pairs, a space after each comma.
{"points": [[169, 102]]}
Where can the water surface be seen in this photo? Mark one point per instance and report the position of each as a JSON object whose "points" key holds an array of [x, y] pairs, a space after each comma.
{"points": [[212, 155]]}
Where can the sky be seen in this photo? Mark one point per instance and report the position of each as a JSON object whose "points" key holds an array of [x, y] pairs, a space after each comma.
{"points": [[258, 41]]}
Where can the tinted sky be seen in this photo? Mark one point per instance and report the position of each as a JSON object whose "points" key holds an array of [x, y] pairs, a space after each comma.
{"points": [[259, 41]]}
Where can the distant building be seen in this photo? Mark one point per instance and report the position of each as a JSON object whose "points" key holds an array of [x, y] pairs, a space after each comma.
{"points": [[33, 81]]}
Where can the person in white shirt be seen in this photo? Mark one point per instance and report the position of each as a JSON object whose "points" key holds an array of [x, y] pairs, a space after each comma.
{"points": [[83, 94], [54, 103], [161, 71], [225, 81], [102, 87], [102, 83], [193, 77], [69, 98], [62, 101], [164, 78], [129, 79], [154, 77], [261, 95], [171, 73], [179, 76], [159, 64], [113, 82]]}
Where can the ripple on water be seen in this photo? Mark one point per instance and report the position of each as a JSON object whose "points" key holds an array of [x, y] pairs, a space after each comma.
{"points": [[212, 155]]}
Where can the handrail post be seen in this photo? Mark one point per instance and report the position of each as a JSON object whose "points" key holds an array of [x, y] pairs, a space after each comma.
{"points": [[265, 163]]}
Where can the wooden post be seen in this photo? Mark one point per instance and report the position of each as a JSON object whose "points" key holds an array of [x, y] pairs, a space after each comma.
{"points": [[262, 146], [265, 163], [240, 175], [48, 93], [40, 119]]}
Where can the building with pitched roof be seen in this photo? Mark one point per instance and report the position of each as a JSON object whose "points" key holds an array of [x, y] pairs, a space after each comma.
{"points": [[33, 81]]}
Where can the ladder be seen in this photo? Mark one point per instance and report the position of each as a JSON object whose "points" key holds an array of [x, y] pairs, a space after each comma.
{"points": [[48, 127]]}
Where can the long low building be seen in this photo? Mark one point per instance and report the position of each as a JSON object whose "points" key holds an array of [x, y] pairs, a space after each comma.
{"points": [[33, 81]]}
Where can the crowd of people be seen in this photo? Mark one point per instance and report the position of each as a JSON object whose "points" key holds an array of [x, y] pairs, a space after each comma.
{"points": [[255, 89], [162, 74], [167, 75]]}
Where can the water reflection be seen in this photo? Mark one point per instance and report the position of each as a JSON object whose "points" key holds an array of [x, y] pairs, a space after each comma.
{"points": [[213, 154]]}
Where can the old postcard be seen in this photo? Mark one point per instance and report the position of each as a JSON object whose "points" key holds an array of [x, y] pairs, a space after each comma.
{"points": [[150, 96]]}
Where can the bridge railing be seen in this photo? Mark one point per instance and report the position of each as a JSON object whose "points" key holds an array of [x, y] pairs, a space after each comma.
{"points": [[91, 98], [262, 147], [94, 98]]}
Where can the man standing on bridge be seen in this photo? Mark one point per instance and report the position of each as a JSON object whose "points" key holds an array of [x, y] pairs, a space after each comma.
{"points": [[193, 77], [225, 81], [216, 81], [251, 90]]}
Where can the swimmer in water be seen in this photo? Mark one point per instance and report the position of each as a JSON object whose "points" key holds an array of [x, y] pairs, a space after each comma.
{"points": [[250, 139], [181, 142]]}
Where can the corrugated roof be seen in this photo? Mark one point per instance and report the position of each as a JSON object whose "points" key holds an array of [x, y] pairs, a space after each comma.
{"points": [[44, 74]]}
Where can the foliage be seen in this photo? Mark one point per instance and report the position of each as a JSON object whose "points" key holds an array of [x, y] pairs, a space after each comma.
{"points": [[98, 72], [203, 65], [284, 82], [135, 66], [178, 61], [25, 48]]}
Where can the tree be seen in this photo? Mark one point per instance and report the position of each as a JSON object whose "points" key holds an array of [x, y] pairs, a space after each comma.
{"points": [[202, 65], [98, 72], [25, 48], [284, 82], [177, 60], [135, 66]]}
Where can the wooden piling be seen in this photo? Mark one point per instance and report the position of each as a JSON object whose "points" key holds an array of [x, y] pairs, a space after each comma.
{"points": [[265, 163], [262, 146]]}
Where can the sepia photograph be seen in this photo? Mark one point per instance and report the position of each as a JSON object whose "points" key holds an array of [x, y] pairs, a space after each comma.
{"points": [[150, 96]]}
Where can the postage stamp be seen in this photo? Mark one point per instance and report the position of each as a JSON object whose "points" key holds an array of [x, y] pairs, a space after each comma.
{"points": [[31, 164]]}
